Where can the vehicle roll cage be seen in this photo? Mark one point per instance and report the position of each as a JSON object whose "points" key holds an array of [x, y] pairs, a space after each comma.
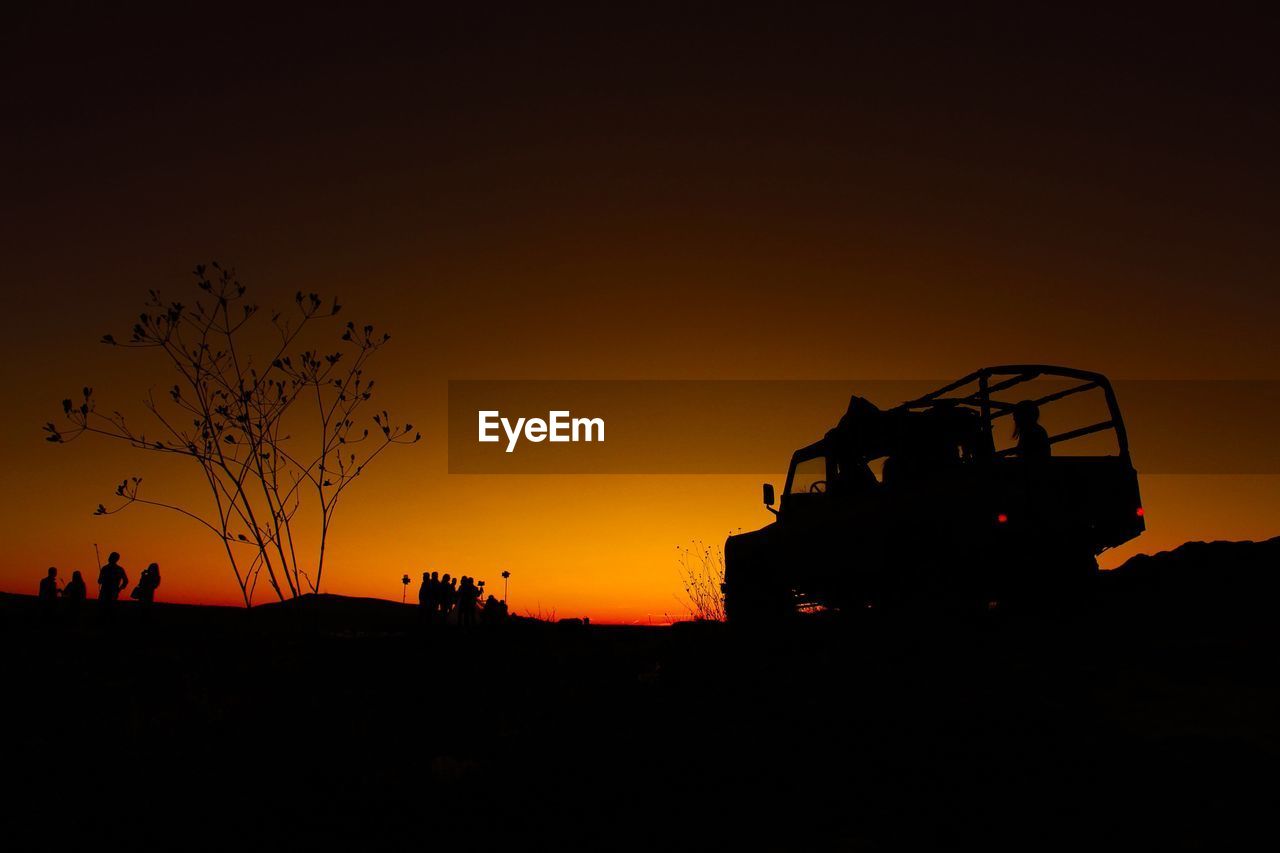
{"points": [[991, 380]]}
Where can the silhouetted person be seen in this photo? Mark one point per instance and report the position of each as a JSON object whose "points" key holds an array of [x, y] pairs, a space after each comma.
{"points": [[111, 579], [429, 597], [48, 595], [889, 474], [434, 591], [424, 597], [75, 591], [851, 475], [1033, 439], [49, 585], [145, 591], [494, 612], [448, 596], [468, 597]]}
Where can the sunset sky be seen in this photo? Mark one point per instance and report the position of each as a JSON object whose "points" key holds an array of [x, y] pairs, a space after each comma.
{"points": [[683, 192]]}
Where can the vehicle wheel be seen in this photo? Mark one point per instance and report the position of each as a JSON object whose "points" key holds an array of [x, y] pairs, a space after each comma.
{"points": [[755, 602], [1061, 583]]}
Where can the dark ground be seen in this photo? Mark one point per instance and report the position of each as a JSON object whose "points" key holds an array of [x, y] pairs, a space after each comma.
{"points": [[1151, 721]]}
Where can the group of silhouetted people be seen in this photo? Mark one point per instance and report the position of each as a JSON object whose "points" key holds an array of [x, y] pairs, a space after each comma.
{"points": [[112, 581], [443, 597]]}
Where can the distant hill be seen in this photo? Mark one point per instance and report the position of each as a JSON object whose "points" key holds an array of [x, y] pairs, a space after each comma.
{"points": [[339, 613], [348, 614], [325, 602], [1201, 576]]}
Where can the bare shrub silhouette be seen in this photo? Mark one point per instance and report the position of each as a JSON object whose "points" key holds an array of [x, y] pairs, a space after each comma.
{"points": [[269, 435], [540, 615], [701, 571]]}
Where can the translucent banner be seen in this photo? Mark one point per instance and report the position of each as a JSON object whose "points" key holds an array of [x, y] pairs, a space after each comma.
{"points": [[753, 426]]}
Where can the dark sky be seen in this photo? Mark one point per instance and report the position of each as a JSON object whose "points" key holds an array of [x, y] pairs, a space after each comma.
{"points": [[647, 191], [1127, 157]]}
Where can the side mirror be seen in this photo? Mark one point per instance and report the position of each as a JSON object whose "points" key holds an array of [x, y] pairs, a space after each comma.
{"points": [[768, 494]]}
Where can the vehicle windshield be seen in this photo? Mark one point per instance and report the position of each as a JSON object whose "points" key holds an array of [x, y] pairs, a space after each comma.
{"points": [[810, 476]]}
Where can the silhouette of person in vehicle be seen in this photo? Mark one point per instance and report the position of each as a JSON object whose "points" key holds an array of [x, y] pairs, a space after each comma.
{"points": [[145, 591], [111, 579], [75, 591], [857, 434], [850, 475], [1033, 439]]}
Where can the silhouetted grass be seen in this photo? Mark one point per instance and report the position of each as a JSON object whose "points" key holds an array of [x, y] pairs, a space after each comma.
{"points": [[702, 578]]}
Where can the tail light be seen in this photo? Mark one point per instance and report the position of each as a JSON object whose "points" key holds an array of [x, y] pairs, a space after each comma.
{"points": [[1004, 519], [1140, 512]]}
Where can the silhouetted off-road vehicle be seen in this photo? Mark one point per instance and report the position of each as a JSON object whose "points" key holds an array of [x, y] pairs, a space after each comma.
{"points": [[919, 505]]}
